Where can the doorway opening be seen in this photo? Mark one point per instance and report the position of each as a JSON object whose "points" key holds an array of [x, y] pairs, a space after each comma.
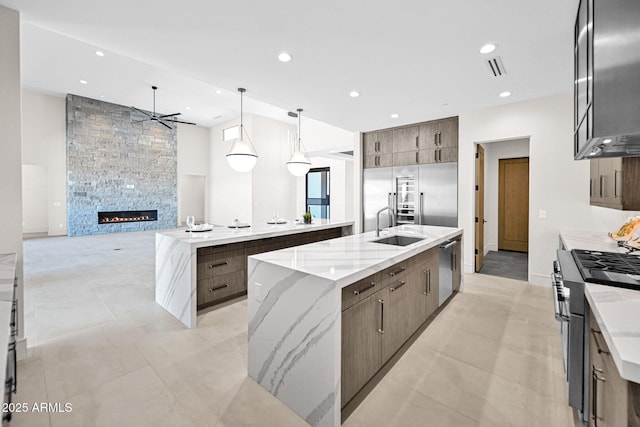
{"points": [[318, 201], [502, 208]]}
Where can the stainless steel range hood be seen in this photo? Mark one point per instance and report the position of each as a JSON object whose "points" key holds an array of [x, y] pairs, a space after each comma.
{"points": [[608, 35]]}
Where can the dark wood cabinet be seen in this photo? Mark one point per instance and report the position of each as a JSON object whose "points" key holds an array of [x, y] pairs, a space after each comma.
{"points": [[613, 400], [361, 345], [421, 143], [614, 182], [381, 313], [222, 270]]}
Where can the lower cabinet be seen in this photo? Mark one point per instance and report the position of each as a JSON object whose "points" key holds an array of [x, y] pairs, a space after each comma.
{"points": [[222, 270], [400, 299], [614, 401]]}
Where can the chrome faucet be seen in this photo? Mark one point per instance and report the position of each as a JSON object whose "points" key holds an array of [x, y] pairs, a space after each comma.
{"points": [[393, 220]]}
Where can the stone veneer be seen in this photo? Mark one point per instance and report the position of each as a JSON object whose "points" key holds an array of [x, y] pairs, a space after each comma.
{"points": [[114, 164]]}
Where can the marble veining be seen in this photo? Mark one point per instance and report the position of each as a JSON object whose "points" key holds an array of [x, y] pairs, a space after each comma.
{"points": [[617, 310], [176, 259], [295, 317]]}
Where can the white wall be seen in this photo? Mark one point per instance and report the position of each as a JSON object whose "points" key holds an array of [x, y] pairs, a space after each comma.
{"points": [[557, 183], [35, 197], [269, 187], [193, 169], [493, 152], [11, 158], [44, 145]]}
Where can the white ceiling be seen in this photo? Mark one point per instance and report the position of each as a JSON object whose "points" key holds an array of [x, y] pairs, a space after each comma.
{"points": [[417, 58]]}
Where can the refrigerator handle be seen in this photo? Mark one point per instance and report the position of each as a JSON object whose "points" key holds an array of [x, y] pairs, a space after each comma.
{"points": [[395, 209], [420, 210], [390, 204]]}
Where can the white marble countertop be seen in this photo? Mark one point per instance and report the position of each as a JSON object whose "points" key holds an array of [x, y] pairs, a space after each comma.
{"points": [[351, 258], [589, 240], [617, 310], [222, 235]]}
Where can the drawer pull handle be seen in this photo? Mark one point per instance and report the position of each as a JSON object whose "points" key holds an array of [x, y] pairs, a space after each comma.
{"points": [[600, 350], [395, 288], [369, 286], [400, 270], [217, 288], [219, 264], [381, 328]]}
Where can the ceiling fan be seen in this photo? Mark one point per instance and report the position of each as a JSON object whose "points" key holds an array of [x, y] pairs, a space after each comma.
{"points": [[162, 119]]}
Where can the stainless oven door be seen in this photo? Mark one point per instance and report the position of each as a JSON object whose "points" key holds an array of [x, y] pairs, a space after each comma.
{"points": [[561, 296]]}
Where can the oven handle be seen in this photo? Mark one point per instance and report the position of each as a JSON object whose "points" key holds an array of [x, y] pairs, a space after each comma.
{"points": [[557, 308]]}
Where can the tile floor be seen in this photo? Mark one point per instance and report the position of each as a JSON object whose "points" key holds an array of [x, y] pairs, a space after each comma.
{"points": [[510, 264], [97, 340]]}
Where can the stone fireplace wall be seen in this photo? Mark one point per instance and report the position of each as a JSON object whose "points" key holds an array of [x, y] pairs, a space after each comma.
{"points": [[115, 165]]}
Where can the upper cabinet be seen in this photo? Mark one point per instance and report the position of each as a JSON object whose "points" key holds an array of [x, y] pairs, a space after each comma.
{"points": [[606, 76], [429, 142], [614, 183]]}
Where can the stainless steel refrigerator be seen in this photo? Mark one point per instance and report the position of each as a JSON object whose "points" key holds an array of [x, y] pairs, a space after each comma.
{"points": [[421, 194]]}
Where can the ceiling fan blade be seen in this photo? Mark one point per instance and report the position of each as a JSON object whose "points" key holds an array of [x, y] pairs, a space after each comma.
{"points": [[169, 115], [180, 121], [164, 124], [141, 111], [140, 121]]}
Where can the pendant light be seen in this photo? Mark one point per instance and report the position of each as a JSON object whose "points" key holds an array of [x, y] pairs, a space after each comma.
{"points": [[242, 157], [299, 164]]}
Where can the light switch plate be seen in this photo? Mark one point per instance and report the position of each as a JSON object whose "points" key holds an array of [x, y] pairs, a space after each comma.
{"points": [[542, 215]]}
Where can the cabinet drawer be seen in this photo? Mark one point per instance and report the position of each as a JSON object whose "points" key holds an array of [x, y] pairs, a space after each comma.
{"points": [[398, 271], [219, 263], [359, 290], [220, 287]]}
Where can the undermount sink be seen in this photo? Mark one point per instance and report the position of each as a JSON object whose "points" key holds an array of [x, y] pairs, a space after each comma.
{"points": [[398, 240]]}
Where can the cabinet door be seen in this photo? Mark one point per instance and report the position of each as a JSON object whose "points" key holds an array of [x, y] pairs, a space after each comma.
{"points": [[385, 141], [370, 161], [428, 137], [406, 158], [406, 139], [457, 266], [428, 276], [628, 181], [361, 344], [399, 315], [447, 154], [427, 156], [385, 160], [448, 132], [369, 144]]}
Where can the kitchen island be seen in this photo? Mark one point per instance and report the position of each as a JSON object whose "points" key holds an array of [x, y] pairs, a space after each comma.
{"points": [[199, 269], [325, 317]]}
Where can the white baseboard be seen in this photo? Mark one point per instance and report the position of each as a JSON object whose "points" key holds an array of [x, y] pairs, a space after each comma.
{"points": [[539, 279]]}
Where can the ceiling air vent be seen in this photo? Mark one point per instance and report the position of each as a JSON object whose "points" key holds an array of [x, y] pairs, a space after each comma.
{"points": [[496, 67]]}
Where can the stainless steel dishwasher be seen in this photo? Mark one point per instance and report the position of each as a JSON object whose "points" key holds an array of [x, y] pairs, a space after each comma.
{"points": [[446, 270]]}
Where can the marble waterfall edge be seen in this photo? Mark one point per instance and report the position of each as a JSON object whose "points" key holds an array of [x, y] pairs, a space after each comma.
{"points": [[175, 289], [294, 337]]}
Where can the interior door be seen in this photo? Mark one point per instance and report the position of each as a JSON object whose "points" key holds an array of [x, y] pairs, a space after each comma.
{"points": [[513, 204], [479, 246]]}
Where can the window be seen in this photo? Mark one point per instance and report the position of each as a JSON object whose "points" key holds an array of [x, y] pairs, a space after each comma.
{"points": [[229, 134], [318, 184]]}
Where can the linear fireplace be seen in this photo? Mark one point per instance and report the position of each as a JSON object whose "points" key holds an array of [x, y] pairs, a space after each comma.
{"points": [[127, 216]]}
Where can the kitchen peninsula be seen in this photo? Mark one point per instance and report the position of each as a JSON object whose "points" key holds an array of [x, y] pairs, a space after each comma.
{"points": [[199, 269], [325, 317]]}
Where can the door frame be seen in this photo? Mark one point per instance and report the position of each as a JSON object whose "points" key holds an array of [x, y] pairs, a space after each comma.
{"points": [[478, 226]]}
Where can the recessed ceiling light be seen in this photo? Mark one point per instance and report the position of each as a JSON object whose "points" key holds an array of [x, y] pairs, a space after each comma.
{"points": [[354, 94], [284, 57], [395, 115], [488, 48], [187, 108], [218, 92], [101, 96], [505, 94], [607, 141], [84, 82], [99, 53]]}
